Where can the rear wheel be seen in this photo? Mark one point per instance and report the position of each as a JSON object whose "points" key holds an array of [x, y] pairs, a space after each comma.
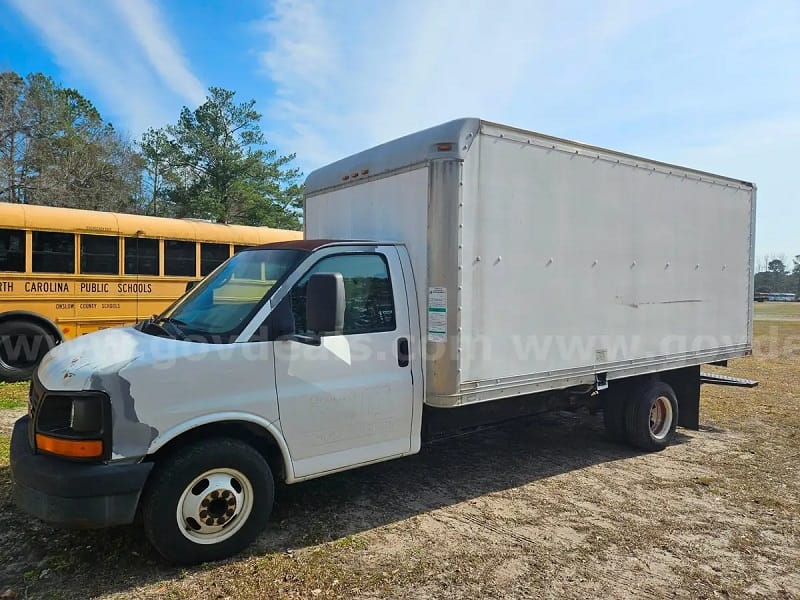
{"points": [[23, 344], [207, 501], [651, 416]]}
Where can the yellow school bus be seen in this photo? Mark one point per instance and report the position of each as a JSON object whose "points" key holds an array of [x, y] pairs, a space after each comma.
{"points": [[67, 272]]}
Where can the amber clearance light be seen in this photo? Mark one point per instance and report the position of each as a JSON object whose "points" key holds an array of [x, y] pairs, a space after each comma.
{"points": [[74, 448]]}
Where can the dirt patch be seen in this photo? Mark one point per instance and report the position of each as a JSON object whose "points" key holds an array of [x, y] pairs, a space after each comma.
{"points": [[8, 417], [542, 508]]}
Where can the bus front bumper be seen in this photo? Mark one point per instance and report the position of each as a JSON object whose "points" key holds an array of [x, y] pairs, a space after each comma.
{"points": [[70, 494]]}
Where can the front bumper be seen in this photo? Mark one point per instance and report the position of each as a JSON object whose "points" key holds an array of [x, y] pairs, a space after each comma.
{"points": [[73, 494]]}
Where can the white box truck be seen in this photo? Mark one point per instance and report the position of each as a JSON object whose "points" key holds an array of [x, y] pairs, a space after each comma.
{"points": [[465, 274]]}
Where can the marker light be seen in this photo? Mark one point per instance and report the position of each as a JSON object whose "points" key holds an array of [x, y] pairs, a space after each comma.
{"points": [[73, 448]]}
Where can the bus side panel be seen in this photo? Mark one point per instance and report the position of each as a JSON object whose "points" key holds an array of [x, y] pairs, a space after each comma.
{"points": [[51, 297], [111, 301]]}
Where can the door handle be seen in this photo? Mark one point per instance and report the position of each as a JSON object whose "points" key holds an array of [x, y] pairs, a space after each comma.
{"points": [[402, 352]]}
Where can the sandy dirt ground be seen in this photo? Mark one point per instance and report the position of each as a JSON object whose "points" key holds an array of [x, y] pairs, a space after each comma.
{"points": [[540, 508], [7, 418]]}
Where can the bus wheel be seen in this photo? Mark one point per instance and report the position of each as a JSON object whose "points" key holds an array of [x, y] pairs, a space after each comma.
{"points": [[207, 500], [651, 416], [22, 345]]}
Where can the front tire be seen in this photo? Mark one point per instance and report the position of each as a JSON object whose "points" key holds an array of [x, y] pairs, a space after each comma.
{"points": [[651, 416], [207, 501]]}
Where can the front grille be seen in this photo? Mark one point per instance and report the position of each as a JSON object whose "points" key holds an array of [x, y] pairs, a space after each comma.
{"points": [[35, 395]]}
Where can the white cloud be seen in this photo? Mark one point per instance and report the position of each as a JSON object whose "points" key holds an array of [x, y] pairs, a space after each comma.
{"points": [[363, 73], [165, 58], [674, 80], [122, 51]]}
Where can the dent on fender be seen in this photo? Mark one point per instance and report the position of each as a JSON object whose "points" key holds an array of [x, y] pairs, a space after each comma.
{"points": [[131, 437]]}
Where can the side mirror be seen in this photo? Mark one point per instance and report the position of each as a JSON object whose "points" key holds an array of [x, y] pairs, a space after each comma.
{"points": [[325, 303], [189, 286]]}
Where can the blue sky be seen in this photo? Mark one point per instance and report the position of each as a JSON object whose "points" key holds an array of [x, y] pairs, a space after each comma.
{"points": [[712, 85]]}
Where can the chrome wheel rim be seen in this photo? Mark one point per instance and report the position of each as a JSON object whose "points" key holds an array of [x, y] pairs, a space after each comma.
{"points": [[661, 418], [214, 506]]}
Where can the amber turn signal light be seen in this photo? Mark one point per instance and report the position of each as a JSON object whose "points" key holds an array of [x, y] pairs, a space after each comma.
{"points": [[73, 448]]}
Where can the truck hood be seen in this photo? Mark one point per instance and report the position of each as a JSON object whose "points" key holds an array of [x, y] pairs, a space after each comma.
{"points": [[78, 364], [70, 366]]}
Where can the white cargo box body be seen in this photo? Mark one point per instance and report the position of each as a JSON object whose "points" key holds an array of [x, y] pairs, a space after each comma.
{"points": [[541, 263]]}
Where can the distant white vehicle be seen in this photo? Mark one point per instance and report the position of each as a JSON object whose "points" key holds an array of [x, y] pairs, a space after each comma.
{"points": [[465, 274], [781, 297]]}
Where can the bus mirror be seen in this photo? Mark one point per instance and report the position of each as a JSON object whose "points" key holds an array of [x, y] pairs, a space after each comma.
{"points": [[189, 286], [325, 303]]}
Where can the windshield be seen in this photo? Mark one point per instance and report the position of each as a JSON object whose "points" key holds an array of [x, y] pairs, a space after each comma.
{"points": [[226, 300]]}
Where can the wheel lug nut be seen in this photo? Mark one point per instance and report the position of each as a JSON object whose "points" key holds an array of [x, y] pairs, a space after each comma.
{"points": [[203, 514], [209, 521]]}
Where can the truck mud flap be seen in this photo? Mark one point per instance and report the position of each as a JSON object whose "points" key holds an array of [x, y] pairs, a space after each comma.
{"points": [[686, 384]]}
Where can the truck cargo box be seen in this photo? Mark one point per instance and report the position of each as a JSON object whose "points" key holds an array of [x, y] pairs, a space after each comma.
{"points": [[543, 263]]}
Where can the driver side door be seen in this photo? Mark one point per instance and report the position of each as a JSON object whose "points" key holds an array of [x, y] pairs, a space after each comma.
{"points": [[348, 399]]}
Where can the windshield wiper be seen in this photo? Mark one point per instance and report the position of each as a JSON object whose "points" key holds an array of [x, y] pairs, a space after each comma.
{"points": [[171, 320], [175, 326], [150, 326]]}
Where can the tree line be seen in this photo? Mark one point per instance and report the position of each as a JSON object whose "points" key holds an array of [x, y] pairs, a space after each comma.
{"points": [[775, 275], [213, 163]]}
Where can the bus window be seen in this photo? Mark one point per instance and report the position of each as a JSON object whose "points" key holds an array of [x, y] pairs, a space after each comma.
{"points": [[237, 248], [179, 258], [53, 252], [141, 256], [99, 254], [12, 250], [212, 256]]}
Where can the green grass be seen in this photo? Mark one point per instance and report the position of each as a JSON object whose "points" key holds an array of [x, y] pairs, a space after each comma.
{"points": [[777, 311], [13, 395], [5, 444], [5, 474]]}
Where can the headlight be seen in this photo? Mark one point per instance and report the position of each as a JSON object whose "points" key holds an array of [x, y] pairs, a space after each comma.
{"points": [[86, 415], [74, 425]]}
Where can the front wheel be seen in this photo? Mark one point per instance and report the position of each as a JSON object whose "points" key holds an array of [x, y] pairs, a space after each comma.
{"points": [[207, 501]]}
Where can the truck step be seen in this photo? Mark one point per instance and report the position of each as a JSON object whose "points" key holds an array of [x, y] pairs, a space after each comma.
{"points": [[715, 379]]}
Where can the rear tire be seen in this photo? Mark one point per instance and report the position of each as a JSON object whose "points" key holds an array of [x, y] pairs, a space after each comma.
{"points": [[651, 416], [207, 501], [23, 344]]}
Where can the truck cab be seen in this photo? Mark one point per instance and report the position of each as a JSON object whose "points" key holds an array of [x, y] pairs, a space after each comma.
{"points": [[306, 350]]}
